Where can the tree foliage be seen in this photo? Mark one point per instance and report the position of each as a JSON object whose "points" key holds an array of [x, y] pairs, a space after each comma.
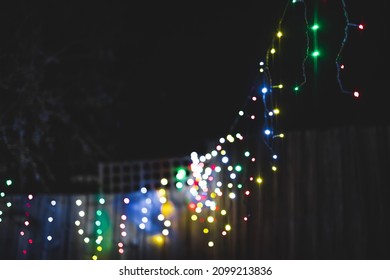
{"points": [[56, 92]]}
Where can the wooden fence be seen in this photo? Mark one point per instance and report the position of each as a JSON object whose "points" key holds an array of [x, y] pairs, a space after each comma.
{"points": [[329, 199]]}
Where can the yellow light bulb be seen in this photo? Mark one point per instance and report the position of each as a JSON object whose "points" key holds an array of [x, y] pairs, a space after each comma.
{"points": [[167, 208], [157, 239]]}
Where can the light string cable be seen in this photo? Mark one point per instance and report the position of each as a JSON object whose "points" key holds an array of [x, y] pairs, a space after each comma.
{"points": [[266, 85], [267, 89], [339, 65], [304, 77]]}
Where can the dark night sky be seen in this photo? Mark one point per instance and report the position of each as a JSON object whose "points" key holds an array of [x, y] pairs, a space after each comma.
{"points": [[176, 73]]}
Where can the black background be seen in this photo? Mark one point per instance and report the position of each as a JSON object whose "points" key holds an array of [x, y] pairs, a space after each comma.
{"points": [[152, 79]]}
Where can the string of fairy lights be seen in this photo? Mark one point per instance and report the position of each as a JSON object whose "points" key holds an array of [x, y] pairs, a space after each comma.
{"points": [[95, 228], [50, 219], [151, 205], [208, 204], [217, 181], [3, 196], [216, 184], [339, 65], [26, 236]]}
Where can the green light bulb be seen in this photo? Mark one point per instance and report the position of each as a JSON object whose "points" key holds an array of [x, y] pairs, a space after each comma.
{"points": [[181, 174], [315, 27]]}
